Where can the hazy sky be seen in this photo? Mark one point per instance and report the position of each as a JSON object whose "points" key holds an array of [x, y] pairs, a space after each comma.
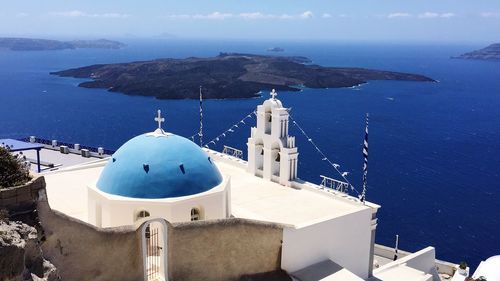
{"points": [[380, 20]]}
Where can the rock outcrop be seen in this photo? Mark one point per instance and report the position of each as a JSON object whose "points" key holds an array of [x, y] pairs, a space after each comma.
{"points": [[20, 254]]}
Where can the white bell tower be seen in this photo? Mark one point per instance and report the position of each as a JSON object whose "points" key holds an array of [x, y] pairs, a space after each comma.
{"points": [[272, 154]]}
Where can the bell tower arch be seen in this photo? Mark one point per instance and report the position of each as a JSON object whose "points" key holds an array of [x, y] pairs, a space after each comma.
{"points": [[272, 153]]}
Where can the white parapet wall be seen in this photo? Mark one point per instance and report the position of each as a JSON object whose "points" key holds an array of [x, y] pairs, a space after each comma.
{"points": [[442, 267], [423, 262], [343, 239]]}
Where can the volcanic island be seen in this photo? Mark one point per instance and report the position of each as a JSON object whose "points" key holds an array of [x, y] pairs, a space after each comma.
{"points": [[228, 75]]}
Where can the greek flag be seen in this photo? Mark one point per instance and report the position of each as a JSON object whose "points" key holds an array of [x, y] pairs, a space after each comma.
{"points": [[200, 133], [365, 164]]}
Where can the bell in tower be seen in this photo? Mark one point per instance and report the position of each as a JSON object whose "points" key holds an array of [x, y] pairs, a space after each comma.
{"points": [[272, 154]]}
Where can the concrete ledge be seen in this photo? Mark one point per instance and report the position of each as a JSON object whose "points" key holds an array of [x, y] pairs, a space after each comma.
{"points": [[388, 252], [442, 267], [423, 261], [18, 198], [225, 222], [325, 271]]}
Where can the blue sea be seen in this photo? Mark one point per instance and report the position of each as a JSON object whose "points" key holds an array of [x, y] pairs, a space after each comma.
{"points": [[434, 162]]}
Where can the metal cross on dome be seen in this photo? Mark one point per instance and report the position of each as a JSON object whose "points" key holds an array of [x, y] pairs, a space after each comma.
{"points": [[274, 94], [159, 119]]}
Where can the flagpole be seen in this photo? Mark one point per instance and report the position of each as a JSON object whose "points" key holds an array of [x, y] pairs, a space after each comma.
{"points": [[396, 248], [200, 134], [365, 163]]}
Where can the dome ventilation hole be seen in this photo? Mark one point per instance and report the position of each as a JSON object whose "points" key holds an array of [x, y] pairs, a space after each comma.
{"points": [[146, 168], [181, 166]]}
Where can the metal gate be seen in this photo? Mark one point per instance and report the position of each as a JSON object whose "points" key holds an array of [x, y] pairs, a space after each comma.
{"points": [[154, 252]]}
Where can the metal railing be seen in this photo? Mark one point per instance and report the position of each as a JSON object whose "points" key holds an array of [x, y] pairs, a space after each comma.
{"points": [[337, 185], [231, 151], [70, 145]]}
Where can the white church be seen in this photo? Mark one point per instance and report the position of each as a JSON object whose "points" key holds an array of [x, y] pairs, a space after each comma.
{"points": [[161, 177]]}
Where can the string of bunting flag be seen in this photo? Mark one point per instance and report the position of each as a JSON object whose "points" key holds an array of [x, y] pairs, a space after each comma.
{"points": [[243, 121], [324, 158], [231, 129]]}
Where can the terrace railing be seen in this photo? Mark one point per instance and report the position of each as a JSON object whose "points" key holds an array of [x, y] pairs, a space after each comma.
{"points": [[231, 151], [331, 183], [69, 145]]}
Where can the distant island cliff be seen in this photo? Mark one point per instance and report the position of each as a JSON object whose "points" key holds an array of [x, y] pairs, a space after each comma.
{"points": [[227, 75], [492, 52], [275, 49], [29, 44]]}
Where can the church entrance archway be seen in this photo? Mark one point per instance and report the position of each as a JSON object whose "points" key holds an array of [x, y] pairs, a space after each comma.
{"points": [[154, 250]]}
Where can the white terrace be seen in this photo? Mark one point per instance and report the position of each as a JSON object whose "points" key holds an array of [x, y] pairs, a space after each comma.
{"points": [[251, 197]]}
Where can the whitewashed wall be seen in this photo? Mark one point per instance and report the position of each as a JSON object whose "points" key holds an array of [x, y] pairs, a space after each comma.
{"points": [[109, 211], [344, 240]]}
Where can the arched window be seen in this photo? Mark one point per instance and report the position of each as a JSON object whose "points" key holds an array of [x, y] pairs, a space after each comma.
{"points": [[142, 214], [195, 214], [268, 121]]}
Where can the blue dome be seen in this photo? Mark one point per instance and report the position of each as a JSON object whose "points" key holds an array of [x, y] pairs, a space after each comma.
{"points": [[152, 166]]}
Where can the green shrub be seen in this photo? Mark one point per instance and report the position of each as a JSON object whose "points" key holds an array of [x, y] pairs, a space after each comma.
{"points": [[463, 265], [13, 171]]}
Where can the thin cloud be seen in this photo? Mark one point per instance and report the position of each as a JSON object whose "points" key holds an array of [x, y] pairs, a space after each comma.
{"points": [[246, 16], [490, 15], [214, 16], [399, 15], [433, 15], [77, 14], [72, 14], [180, 16], [326, 16], [22, 15], [306, 15], [283, 17], [252, 16], [428, 15], [448, 15]]}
